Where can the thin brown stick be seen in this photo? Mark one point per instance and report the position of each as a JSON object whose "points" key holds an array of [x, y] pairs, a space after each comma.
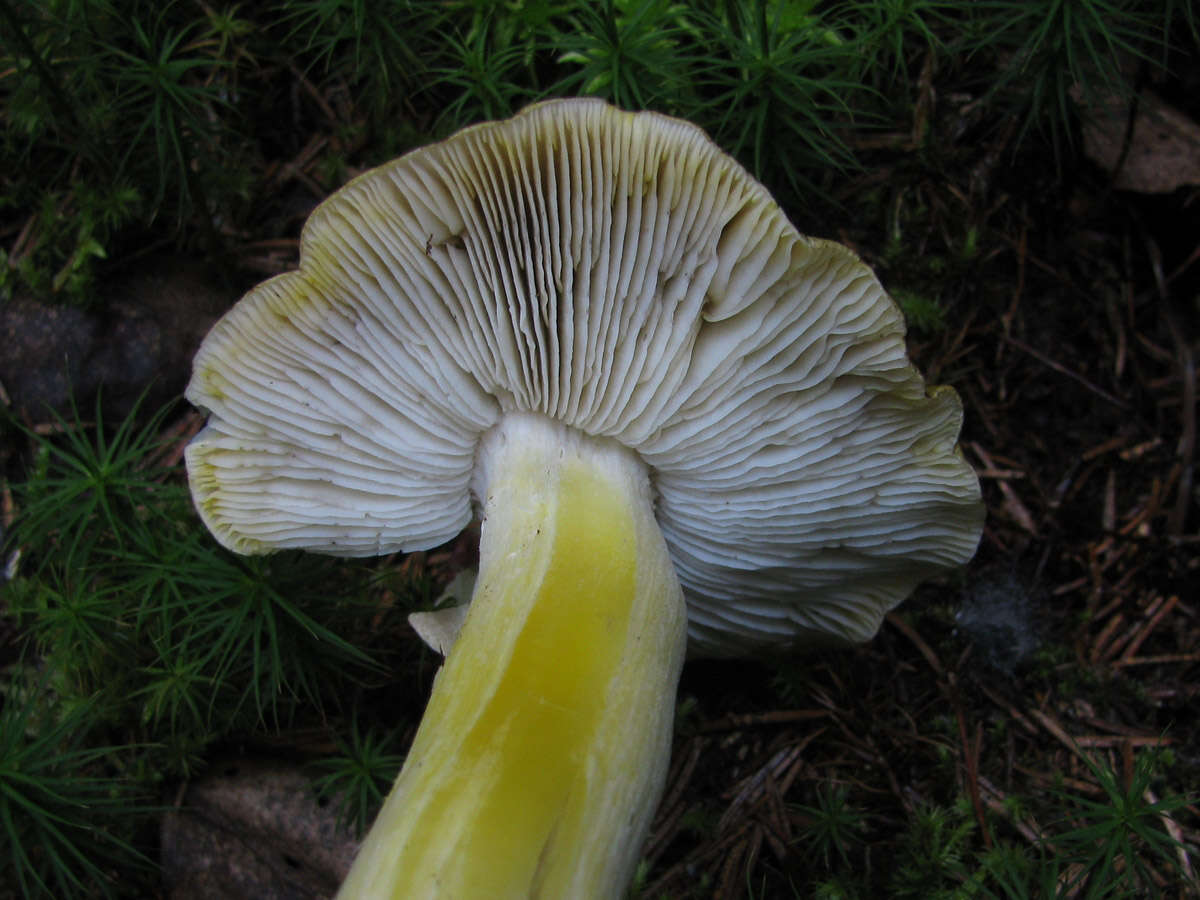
{"points": [[758, 720], [1063, 370], [1140, 638], [1012, 503], [909, 632]]}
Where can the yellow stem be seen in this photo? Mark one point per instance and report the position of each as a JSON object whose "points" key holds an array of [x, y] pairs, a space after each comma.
{"points": [[542, 753]]}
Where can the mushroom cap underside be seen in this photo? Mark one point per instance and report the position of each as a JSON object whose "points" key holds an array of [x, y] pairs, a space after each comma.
{"points": [[619, 273]]}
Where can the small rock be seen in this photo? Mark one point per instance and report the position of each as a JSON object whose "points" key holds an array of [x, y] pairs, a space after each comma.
{"points": [[1164, 147], [254, 829], [143, 340]]}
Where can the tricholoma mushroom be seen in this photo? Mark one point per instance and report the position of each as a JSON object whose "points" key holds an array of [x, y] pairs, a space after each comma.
{"points": [[683, 423]]}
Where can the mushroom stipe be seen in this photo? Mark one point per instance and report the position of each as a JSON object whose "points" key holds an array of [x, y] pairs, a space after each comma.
{"points": [[685, 425]]}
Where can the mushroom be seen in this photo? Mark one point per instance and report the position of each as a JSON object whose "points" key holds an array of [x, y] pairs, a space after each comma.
{"points": [[681, 419]]}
